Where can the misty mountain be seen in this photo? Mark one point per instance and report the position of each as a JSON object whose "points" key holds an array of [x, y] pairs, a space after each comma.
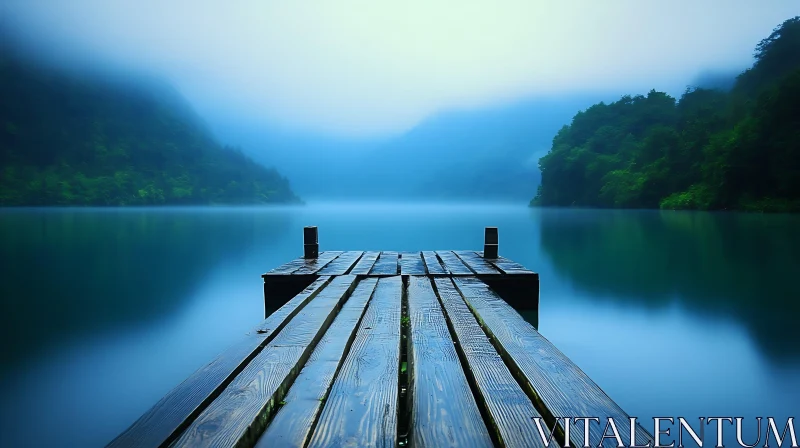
{"points": [[485, 154], [72, 136], [734, 149], [716, 80]]}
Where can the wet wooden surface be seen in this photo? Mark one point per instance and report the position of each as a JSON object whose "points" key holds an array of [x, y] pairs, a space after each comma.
{"points": [[411, 263], [361, 409], [506, 266], [443, 412], [560, 386], [476, 263], [341, 265], [511, 413], [432, 264], [386, 264], [452, 263], [238, 416], [330, 366], [443, 262], [162, 423], [365, 263], [292, 425]]}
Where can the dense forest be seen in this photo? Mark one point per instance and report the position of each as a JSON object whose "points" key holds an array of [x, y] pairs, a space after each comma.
{"points": [[736, 149], [78, 138]]}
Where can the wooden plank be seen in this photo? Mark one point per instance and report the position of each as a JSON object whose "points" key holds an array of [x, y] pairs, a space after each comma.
{"points": [[507, 266], [386, 264], [510, 411], [546, 374], [163, 422], [432, 263], [453, 264], [365, 263], [478, 264], [341, 264], [291, 426], [444, 411], [361, 409], [238, 416], [411, 264], [288, 268], [312, 265]]}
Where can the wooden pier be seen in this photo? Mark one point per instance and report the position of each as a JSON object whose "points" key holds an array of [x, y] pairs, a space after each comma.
{"points": [[387, 349]]}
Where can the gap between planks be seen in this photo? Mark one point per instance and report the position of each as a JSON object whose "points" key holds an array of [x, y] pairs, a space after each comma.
{"points": [[239, 414], [296, 420], [554, 383]]}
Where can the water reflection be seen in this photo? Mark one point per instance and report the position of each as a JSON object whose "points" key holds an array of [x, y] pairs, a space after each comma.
{"points": [[712, 263], [78, 272]]}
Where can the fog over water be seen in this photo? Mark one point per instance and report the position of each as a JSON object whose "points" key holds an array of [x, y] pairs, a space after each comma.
{"points": [[671, 313], [405, 126]]}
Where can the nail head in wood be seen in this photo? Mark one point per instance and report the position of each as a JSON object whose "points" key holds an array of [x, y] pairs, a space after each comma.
{"points": [[490, 236]]}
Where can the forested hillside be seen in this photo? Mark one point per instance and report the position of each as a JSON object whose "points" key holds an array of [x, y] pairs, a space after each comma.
{"points": [[70, 138], [710, 149]]}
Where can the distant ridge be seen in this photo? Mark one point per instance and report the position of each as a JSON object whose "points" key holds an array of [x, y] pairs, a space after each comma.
{"points": [[72, 136]]}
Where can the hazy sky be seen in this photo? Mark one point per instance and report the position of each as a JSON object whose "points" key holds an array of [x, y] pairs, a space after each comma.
{"points": [[367, 67]]}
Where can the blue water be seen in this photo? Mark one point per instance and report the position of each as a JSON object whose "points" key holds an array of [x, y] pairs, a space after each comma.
{"points": [[671, 313]]}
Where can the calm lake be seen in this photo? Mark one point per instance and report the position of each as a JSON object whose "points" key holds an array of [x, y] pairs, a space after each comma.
{"points": [[671, 313]]}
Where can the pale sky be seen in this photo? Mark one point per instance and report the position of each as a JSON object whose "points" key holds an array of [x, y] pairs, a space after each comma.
{"points": [[368, 67]]}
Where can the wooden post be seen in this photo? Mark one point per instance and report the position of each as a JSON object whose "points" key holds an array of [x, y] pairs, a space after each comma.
{"points": [[310, 242], [490, 242]]}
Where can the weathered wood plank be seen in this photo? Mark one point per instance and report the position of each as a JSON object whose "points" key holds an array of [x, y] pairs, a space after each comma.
{"points": [[287, 268], [507, 266], [238, 416], [556, 382], [361, 409], [365, 263], [341, 264], [452, 263], [510, 411], [386, 264], [432, 263], [478, 264], [411, 264], [163, 422], [444, 411], [312, 265], [291, 426]]}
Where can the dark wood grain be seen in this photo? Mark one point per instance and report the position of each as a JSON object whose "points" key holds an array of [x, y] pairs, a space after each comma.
{"points": [[365, 263], [476, 263], [452, 263], [507, 266], [386, 264], [163, 422], [444, 411], [341, 264], [287, 268], [240, 413], [548, 376], [509, 409], [432, 263], [361, 409], [312, 265], [411, 264], [292, 425]]}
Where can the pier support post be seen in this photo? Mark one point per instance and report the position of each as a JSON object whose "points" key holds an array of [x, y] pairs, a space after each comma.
{"points": [[310, 242], [490, 242]]}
